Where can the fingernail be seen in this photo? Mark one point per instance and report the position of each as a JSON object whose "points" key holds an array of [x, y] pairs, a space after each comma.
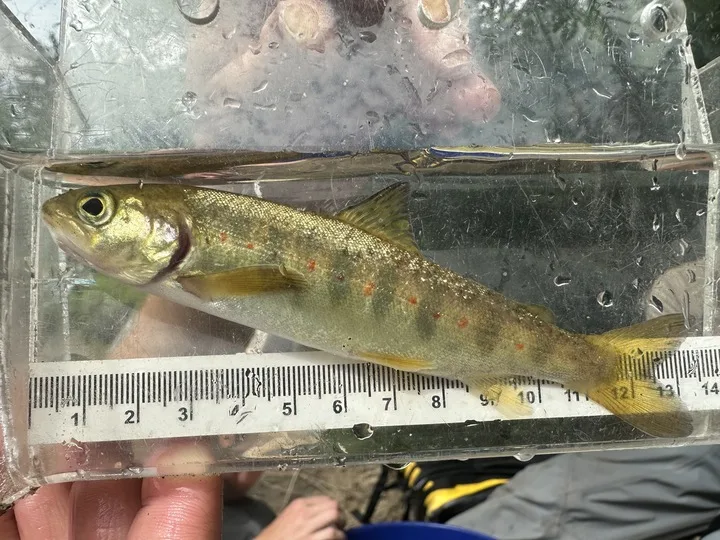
{"points": [[436, 14]]}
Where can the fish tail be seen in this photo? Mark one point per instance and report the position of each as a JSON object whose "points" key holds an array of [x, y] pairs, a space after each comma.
{"points": [[638, 401]]}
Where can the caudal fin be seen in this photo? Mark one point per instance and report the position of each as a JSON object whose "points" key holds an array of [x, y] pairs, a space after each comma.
{"points": [[638, 401]]}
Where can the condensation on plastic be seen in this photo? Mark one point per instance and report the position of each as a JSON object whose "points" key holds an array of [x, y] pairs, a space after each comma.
{"points": [[134, 76]]}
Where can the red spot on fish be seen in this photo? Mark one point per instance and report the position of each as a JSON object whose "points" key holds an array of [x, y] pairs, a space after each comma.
{"points": [[462, 323], [250, 245], [311, 265], [519, 346], [437, 315], [369, 288], [223, 237], [412, 300]]}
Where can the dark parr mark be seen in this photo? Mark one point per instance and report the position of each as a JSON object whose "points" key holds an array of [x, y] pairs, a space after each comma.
{"points": [[178, 256], [338, 289], [383, 294], [488, 332], [426, 322]]}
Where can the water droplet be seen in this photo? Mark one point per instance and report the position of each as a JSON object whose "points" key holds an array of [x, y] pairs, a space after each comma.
{"points": [[232, 103], [255, 48], [189, 99], [199, 11], [524, 456], [76, 25], [691, 275], [655, 184], [655, 223], [282, 467], [700, 212], [471, 423], [405, 22], [340, 461], [633, 36], [681, 151], [605, 299], [677, 215], [456, 58], [273, 45], [373, 117], [659, 19], [338, 447], [656, 303], [265, 107], [639, 260], [574, 201], [682, 243], [636, 283], [14, 110], [560, 181], [367, 36], [227, 34], [260, 87], [397, 467], [561, 281], [363, 431]]}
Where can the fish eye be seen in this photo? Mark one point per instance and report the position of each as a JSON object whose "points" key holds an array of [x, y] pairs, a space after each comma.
{"points": [[95, 208]]}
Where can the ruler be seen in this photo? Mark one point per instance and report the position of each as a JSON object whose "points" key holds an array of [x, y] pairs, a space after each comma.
{"points": [[113, 400]]}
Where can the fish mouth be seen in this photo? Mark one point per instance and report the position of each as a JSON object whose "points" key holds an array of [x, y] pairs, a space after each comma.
{"points": [[61, 226]]}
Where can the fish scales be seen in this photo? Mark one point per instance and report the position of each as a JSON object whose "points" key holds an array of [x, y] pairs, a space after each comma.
{"points": [[348, 259]]}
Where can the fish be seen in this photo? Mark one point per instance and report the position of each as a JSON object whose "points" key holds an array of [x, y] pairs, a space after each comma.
{"points": [[354, 283]]}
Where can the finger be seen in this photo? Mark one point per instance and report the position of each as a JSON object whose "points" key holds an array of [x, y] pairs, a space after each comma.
{"points": [[236, 485], [317, 500], [324, 518], [8, 527], [45, 514], [179, 508], [329, 533], [104, 509]]}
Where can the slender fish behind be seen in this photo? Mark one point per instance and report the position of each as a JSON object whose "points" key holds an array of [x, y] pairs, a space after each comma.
{"points": [[356, 285]]}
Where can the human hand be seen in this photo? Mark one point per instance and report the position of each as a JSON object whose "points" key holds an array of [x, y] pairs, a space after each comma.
{"points": [[172, 508], [307, 518]]}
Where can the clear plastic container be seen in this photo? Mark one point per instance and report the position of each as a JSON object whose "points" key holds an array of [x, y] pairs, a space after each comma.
{"points": [[564, 158]]}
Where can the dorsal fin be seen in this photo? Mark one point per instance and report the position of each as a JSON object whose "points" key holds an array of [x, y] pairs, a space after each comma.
{"points": [[384, 215]]}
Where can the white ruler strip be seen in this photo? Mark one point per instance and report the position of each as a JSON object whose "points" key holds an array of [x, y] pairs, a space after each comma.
{"points": [[109, 400]]}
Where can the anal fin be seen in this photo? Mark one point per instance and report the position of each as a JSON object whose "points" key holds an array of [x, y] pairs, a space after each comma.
{"points": [[505, 397]]}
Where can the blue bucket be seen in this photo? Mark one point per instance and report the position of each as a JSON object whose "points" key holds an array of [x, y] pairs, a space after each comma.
{"points": [[412, 530]]}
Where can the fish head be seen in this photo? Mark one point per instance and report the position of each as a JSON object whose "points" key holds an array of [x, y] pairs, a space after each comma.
{"points": [[134, 234]]}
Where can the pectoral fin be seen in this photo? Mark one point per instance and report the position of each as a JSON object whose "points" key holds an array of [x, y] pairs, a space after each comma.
{"points": [[505, 398], [243, 281]]}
